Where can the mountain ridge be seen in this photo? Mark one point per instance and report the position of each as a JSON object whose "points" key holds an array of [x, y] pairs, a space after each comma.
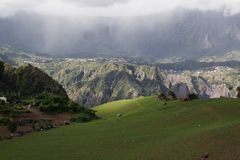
{"points": [[183, 33], [25, 81], [93, 81]]}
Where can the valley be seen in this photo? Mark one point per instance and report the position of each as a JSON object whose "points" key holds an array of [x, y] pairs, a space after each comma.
{"points": [[94, 81], [120, 80]]}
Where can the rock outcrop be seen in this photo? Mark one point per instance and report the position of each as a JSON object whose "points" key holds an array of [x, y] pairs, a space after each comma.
{"points": [[95, 82], [181, 90]]}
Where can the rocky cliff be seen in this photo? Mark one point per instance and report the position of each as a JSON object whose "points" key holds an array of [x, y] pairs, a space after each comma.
{"points": [[93, 82]]}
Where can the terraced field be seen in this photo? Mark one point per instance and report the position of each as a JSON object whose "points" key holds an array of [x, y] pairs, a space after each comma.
{"points": [[141, 129]]}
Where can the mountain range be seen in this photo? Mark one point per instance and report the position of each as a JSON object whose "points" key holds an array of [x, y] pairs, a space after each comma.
{"points": [[93, 81], [180, 33]]}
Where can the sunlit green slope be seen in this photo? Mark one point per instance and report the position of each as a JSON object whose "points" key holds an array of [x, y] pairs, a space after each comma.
{"points": [[147, 129]]}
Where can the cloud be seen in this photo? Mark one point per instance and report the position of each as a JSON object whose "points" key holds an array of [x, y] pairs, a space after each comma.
{"points": [[10, 7], [111, 8], [97, 3]]}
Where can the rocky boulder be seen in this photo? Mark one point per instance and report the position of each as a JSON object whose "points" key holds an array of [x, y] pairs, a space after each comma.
{"points": [[181, 90]]}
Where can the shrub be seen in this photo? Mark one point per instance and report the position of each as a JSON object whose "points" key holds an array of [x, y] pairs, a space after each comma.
{"points": [[85, 116], [238, 90], [42, 124], [192, 96], [161, 97], [12, 126], [81, 117], [171, 95], [4, 121]]}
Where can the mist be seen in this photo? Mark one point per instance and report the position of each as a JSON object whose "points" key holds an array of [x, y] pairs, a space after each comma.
{"points": [[186, 28], [111, 8]]}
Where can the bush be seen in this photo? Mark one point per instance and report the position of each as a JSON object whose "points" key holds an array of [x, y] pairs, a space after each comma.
{"points": [[238, 90], [171, 95], [81, 118], [192, 96], [42, 124], [85, 116], [162, 97], [12, 126], [4, 121]]}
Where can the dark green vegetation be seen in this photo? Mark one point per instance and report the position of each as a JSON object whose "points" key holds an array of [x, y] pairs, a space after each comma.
{"points": [[26, 93], [26, 81], [238, 89], [53, 103], [146, 129], [31, 109], [85, 116], [12, 126], [172, 96]]}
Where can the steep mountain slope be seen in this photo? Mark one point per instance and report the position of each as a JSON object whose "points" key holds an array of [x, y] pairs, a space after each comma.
{"points": [[97, 81], [181, 33], [147, 129], [92, 81], [27, 81]]}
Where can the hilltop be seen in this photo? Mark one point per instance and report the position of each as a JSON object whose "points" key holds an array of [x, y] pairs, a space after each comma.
{"points": [[27, 81]]}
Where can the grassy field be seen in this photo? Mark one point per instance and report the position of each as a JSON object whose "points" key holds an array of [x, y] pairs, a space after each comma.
{"points": [[147, 130]]}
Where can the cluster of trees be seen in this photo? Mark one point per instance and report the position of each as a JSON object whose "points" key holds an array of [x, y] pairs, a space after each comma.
{"points": [[56, 104], [172, 96], [50, 103]]}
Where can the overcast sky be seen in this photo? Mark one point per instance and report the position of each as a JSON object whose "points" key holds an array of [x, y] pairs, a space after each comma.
{"points": [[110, 7]]}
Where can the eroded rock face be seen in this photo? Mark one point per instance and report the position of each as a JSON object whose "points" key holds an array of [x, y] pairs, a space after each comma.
{"points": [[93, 83], [181, 90]]}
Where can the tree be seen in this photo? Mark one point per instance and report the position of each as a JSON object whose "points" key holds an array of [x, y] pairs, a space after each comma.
{"points": [[171, 95], [238, 90]]}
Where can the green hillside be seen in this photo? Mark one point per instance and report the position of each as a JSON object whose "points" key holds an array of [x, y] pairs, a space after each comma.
{"points": [[147, 129], [27, 81]]}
